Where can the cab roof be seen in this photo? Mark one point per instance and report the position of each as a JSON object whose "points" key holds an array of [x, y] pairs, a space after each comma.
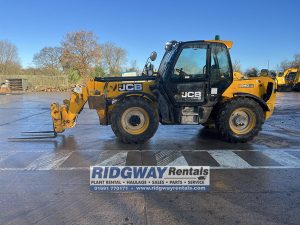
{"points": [[227, 43]]}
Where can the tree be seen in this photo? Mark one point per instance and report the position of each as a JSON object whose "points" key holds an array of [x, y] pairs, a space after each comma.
{"points": [[236, 66], [133, 67], [48, 58], [98, 72], [9, 59], [252, 72], [73, 75], [285, 65], [81, 52], [295, 63], [113, 57]]}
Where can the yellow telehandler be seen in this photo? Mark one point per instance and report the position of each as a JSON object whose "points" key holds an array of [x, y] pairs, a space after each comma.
{"points": [[194, 84], [285, 80]]}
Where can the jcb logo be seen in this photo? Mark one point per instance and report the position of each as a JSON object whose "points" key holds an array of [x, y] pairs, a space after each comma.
{"points": [[130, 87], [190, 94]]}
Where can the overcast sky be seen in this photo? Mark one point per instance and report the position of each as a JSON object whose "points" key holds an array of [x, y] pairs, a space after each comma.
{"points": [[261, 30]]}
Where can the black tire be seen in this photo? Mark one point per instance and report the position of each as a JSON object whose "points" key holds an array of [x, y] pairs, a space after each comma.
{"points": [[117, 120], [208, 125], [284, 88], [296, 87], [279, 88], [226, 115]]}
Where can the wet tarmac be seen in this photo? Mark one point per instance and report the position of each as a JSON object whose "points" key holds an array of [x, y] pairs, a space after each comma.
{"points": [[46, 181]]}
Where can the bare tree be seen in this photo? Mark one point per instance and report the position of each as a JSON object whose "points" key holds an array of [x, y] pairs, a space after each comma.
{"points": [[80, 51], [252, 72], [48, 58], [113, 57], [295, 63], [9, 59], [133, 67], [236, 66], [297, 60], [285, 65]]}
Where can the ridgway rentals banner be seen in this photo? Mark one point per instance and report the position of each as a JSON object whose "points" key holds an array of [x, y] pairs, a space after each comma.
{"points": [[149, 178]]}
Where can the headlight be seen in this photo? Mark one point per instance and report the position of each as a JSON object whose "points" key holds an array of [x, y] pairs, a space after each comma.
{"points": [[78, 90]]}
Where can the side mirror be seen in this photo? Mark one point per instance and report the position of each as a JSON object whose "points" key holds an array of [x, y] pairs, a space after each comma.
{"points": [[153, 56]]}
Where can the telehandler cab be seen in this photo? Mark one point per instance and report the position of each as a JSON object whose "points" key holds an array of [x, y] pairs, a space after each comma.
{"points": [[194, 84]]}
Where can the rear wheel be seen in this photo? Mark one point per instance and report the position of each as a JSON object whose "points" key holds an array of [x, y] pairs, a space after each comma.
{"points": [[134, 120], [239, 120]]}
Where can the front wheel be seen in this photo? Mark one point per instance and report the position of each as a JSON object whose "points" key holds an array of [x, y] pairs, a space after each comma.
{"points": [[134, 120], [239, 120]]}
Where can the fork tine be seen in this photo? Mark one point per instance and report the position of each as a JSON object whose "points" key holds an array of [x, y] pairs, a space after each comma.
{"points": [[38, 132], [36, 135]]}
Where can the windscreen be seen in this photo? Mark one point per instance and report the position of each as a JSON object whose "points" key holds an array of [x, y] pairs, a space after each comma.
{"points": [[164, 62]]}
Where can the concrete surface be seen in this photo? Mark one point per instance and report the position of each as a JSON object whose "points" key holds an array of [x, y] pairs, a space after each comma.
{"points": [[47, 181]]}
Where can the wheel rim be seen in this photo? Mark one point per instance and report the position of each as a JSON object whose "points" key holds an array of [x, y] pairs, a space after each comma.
{"points": [[135, 120], [242, 120]]}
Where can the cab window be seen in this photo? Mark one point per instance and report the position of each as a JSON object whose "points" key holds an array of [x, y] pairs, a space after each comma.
{"points": [[291, 76], [191, 63]]}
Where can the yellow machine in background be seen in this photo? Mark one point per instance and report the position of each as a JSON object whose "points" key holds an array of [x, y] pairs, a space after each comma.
{"points": [[285, 81], [194, 84], [296, 83]]}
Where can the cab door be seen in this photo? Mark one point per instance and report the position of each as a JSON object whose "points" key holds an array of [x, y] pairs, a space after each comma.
{"points": [[220, 71], [187, 76]]}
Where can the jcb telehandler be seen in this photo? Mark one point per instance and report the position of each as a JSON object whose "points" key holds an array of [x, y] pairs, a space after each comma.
{"points": [[194, 84]]}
